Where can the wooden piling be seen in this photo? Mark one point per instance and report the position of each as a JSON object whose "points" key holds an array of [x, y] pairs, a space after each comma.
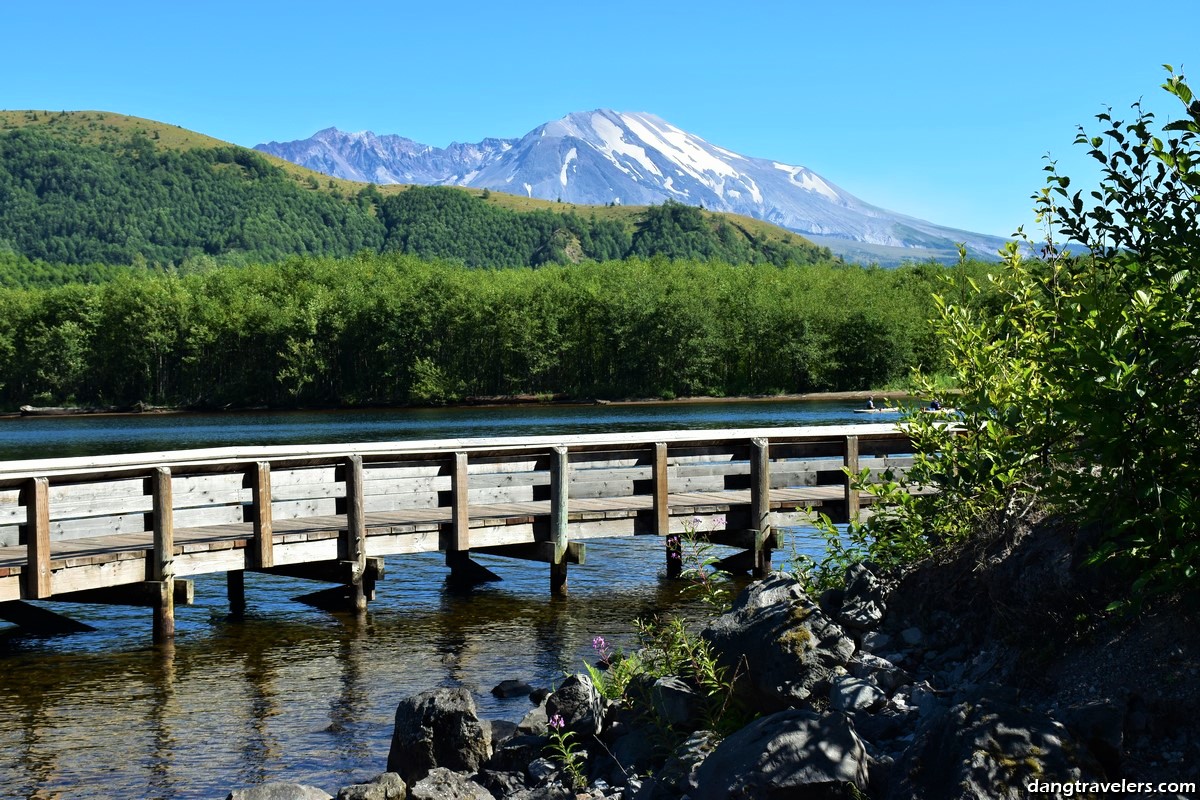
{"points": [[662, 513], [263, 555], [37, 538], [559, 476], [235, 590], [354, 542], [162, 560], [760, 505], [851, 464]]}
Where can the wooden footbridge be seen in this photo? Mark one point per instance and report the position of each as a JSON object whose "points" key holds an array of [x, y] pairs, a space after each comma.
{"points": [[134, 528]]}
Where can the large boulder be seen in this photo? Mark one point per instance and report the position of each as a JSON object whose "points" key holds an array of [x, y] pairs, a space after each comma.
{"points": [[437, 728], [987, 748], [788, 754], [280, 791], [790, 647]]}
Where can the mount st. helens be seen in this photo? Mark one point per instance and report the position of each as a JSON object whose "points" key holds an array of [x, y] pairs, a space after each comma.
{"points": [[601, 157]]}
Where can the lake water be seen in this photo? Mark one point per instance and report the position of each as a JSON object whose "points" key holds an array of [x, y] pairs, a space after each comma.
{"points": [[291, 693]]}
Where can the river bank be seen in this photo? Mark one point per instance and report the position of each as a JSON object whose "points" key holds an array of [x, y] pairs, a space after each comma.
{"points": [[993, 675], [506, 401]]}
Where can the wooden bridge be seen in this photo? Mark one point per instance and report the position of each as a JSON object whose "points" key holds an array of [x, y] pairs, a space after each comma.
{"points": [[133, 528]]}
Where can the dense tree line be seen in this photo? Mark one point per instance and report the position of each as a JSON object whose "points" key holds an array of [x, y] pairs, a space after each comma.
{"points": [[397, 329], [126, 201]]}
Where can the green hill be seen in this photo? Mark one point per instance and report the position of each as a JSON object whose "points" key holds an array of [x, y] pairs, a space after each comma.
{"points": [[81, 192]]}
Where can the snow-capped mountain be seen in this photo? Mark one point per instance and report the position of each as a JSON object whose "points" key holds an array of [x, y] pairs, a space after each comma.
{"points": [[602, 156]]}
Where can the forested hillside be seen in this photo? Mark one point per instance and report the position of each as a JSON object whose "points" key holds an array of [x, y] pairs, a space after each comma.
{"points": [[388, 329], [78, 192]]}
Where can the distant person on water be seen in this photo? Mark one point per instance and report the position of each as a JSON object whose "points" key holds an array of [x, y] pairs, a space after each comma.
{"points": [[871, 403], [934, 405]]}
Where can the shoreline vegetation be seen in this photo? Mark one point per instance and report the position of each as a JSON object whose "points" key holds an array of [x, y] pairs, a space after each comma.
{"points": [[511, 401], [394, 330]]}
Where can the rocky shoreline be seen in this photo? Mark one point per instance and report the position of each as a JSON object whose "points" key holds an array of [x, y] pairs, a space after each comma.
{"points": [[990, 675]]}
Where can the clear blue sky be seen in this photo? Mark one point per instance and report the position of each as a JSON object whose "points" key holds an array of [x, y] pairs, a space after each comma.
{"points": [[941, 110]]}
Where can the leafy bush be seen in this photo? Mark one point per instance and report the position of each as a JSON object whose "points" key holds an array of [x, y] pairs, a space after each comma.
{"points": [[1080, 377]]}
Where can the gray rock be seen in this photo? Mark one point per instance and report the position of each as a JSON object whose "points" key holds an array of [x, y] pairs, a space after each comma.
{"points": [[580, 705], [678, 774], [787, 647], [1100, 726], [862, 603], [634, 750], [535, 721], [542, 769], [855, 694], [501, 783], [912, 636], [498, 730], [512, 688], [673, 701], [553, 791], [437, 728], [925, 698], [388, 786], [515, 754], [880, 671], [984, 748], [280, 791], [875, 641], [787, 754], [442, 784]]}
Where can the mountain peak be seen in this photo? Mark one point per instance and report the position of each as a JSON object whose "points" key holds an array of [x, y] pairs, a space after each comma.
{"points": [[604, 156]]}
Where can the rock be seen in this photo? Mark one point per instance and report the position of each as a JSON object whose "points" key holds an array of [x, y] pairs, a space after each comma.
{"points": [[498, 730], [790, 647], [862, 605], [534, 722], [512, 688], [984, 748], [437, 728], [673, 701], [787, 754], [515, 754], [542, 769], [442, 784], [875, 641], [633, 750], [280, 791], [580, 705], [678, 774], [880, 671], [1100, 726], [388, 786], [554, 791], [912, 636], [855, 694], [501, 783]]}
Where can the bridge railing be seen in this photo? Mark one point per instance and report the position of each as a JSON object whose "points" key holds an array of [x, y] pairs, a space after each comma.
{"points": [[65, 524]]}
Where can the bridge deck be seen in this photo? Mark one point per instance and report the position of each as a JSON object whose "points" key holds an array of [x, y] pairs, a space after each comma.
{"points": [[72, 526]]}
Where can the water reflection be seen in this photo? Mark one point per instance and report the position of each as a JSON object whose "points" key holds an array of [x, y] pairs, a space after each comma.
{"points": [[33, 437], [289, 692]]}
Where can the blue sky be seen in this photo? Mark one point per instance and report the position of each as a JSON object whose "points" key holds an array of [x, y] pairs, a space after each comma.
{"points": [[941, 110]]}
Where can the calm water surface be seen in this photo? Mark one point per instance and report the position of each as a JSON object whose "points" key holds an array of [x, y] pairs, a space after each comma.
{"points": [[289, 692]]}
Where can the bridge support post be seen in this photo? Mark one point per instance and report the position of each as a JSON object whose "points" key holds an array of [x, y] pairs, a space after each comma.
{"points": [[559, 478], [662, 513], [37, 538], [851, 462], [235, 590], [760, 505], [457, 540], [353, 546], [162, 559]]}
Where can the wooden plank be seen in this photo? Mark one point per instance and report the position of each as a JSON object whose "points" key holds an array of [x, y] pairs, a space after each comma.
{"points": [[261, 515], [37, 539]]}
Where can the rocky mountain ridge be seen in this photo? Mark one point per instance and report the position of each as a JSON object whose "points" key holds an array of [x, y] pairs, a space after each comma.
{"points": [[605, 157]]}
